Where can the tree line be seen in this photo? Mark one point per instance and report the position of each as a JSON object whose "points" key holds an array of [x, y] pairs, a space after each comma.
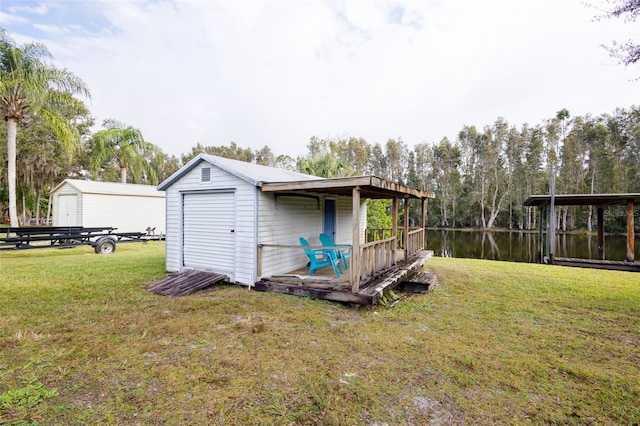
{"points": [[481, 178]]}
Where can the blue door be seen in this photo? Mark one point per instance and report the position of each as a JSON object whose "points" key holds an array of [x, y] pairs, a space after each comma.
{"points": [[329, 219]]}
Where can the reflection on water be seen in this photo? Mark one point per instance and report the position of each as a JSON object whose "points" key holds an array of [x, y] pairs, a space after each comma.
{"points": [[522, 246]]}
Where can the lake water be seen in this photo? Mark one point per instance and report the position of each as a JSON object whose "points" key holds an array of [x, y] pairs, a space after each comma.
{"points": [[522, 246]]}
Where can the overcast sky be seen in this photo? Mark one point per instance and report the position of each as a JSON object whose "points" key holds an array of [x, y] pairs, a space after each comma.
{"points": [[277, 72]]}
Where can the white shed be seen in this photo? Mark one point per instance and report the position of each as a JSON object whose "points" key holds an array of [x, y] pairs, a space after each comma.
{"points": [[125, 206], [245, 221], [217, 214]]}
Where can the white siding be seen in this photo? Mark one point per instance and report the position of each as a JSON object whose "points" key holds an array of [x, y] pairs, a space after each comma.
{"points": [[344, 233], [245, 250], [284, 222], [127, 213]]}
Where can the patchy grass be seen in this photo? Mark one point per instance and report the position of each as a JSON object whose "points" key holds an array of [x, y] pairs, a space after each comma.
{"points": [[496, 343]]}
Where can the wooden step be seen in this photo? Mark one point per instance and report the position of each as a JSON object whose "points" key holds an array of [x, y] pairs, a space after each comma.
{"points": [[420, 282], [185, 282]]}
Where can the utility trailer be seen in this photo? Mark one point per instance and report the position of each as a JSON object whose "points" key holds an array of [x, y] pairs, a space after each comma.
{"points": [[102, 239]]}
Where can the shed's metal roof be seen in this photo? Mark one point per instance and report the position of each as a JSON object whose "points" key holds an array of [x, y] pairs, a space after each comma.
{"points": [[583, 199], [252, 173], [111, 188]]}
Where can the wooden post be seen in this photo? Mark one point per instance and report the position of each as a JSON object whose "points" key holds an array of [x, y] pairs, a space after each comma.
{"points": [[49, 221], [406, 229], [259, 261], [547, 241], [540, 234], [630, 232], [552, 216], [394, 227], [423, 215], [355, 255], [551, 236], [601, 254]]}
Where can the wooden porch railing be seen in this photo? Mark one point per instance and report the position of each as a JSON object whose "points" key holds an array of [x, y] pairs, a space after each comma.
{"points": [[415, 241], [376, 257], [374, 234]]}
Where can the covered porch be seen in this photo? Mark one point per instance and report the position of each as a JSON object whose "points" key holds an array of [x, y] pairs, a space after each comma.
{"points": [[373, 268]]}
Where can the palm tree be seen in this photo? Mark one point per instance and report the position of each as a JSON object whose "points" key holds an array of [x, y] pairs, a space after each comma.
{"points": [[325, 165], [30, 87], [126, 146]]}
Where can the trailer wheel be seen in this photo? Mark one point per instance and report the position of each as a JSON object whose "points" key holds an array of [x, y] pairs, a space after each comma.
{"points": [[105, 246]]}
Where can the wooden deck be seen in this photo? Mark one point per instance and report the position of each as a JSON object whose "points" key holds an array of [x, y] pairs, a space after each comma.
{"points": [[324, 285], [598, 264]]}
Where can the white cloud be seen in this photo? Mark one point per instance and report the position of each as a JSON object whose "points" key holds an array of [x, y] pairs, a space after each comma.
{"points": [[51, 30], [12, 19], [37, 9], [278, 72]]}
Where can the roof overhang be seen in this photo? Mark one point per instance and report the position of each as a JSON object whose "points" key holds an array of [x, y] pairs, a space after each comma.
{"points": [[370, 187], [583, 200]]}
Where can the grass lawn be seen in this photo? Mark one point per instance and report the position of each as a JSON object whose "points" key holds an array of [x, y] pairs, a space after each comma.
{"points": [[82, 342]]}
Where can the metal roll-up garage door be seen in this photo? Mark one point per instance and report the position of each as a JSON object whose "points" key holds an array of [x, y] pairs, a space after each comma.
{"points": [[209, 232]]}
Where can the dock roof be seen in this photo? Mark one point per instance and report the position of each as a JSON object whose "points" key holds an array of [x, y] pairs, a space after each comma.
{"points": [[583, 199]]}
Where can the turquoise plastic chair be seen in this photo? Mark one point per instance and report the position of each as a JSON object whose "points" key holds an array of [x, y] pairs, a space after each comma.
{"points": [[326, 258], [343, 255]]}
